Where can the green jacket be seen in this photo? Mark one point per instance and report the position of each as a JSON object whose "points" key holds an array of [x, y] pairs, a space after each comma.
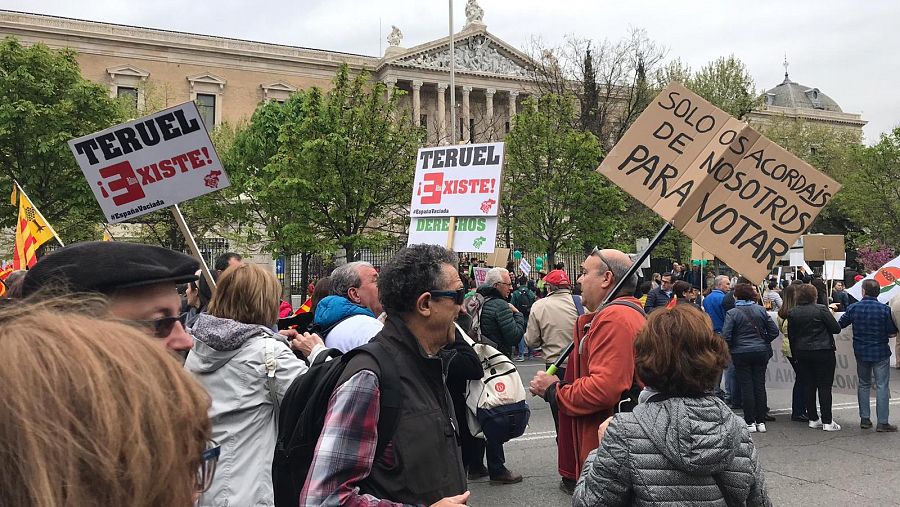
{"points": [[498, 322]]}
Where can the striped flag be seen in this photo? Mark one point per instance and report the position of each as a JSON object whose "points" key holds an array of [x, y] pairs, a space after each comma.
{"points": [[672, 302], [4, 273], [305, 307], [32, 231]]}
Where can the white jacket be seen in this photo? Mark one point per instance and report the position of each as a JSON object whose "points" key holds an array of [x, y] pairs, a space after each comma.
{"points": [[229, 360]]}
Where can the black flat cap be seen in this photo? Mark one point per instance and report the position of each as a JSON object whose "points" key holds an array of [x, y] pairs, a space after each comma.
{"points": [[104, 266]]}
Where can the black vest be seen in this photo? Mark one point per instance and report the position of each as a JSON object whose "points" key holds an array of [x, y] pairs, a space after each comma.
{"points": [[423, 462]]}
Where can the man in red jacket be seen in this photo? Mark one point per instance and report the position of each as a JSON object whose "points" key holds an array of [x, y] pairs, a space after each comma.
{"points": [[601, 366]]}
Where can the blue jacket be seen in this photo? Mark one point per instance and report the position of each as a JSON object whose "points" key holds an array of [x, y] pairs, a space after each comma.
{"points": [[748, 328], [713, 306], [872, 325], [656, 298], [331, 309]]}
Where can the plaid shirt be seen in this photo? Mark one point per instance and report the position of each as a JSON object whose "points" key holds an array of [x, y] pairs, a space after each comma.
{"points": [[346, 448], [872, 324]]}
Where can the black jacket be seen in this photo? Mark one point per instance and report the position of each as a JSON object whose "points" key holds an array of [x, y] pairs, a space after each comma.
{"points": [[427, 464], [811, 327], [464, 366], [656, 298], [498, 322]]}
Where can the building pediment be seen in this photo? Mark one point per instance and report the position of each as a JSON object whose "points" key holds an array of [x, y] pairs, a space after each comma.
{"points": [[279, 86], [207, 79], [477, 52], [127, 70]]}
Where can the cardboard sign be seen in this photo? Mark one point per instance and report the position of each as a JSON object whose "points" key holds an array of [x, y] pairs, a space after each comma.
{"points": [[498, 258], [150, 163], [525, 267], [823, 247], [480, 276], [888, 278], [737, 194], [462, 180], [473, 234], [699, 254], [834, 270]]}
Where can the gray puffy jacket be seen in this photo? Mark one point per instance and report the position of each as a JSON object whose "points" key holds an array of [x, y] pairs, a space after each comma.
{"points": [[678, 451]]}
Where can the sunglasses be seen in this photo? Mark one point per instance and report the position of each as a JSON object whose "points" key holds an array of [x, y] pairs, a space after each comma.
{"points": [[163, 327], [458, 295], [208, 461]]}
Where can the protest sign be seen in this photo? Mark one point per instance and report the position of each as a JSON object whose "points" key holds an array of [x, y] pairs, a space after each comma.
{"points": [[473, 234], [498, 258], [780, 374], [887, 276], [823, 247], [151, 163], [737, 194], [525, 267], [480, 276], [834, 270], [461, 180]]}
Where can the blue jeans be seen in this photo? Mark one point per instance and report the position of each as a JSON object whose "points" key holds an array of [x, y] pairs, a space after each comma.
{"points": [[882, 370], [732, 386]]}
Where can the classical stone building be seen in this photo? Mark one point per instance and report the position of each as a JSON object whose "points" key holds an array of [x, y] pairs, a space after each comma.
{"points": [[228, 78], [796, 101]]}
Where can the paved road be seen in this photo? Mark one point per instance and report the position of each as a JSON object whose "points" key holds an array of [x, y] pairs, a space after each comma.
{"points": [[803, 467]]}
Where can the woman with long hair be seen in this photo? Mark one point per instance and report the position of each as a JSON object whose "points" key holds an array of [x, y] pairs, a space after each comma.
{"points": [[681, 443], [798, 399], [95, 412], [811, 329], [246, 367], [749, 330]]}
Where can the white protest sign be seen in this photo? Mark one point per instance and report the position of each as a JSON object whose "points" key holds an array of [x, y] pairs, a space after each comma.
{"points": [[480, 276], [780, 374], [461, 180], [151, 163], [887, 276], [735, 193], [834, 270], [473, 234], [525, 267]]}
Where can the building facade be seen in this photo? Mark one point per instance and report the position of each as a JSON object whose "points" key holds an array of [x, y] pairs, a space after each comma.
{"points": [[228, 78]]}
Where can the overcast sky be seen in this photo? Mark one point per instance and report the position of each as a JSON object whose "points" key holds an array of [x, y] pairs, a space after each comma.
{"points": [[849, 50]]}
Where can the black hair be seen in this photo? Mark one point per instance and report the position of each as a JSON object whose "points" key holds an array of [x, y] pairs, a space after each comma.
{"points": [[222, 260], [415, 270]]}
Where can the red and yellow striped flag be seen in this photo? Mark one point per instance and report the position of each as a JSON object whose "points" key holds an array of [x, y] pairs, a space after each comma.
{"points": [[305, 307], [671, 304], [32, 231], [4, 273]]}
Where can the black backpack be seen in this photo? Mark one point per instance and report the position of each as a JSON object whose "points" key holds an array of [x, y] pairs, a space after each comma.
{"points": [[303, 409]]}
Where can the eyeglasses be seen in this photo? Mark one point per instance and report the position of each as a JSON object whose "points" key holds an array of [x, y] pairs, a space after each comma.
{"points": [[207, 470], [504, 283], [163, 327], [458, 295], [596, 252]]}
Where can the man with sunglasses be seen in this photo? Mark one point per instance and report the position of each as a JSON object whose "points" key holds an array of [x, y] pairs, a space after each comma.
{"points": [[139, 280], [421, 293], [601, 366]]}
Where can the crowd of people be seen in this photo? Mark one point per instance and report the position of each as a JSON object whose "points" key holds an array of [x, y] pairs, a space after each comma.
{"points": [[153, 386]]}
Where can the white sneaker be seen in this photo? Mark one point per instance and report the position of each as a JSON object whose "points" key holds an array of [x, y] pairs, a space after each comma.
{"points": [[815, 424], [832, 426], [752, 427], [761, 427]]}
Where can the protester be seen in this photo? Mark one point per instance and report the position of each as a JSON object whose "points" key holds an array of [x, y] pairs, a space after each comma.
{"points": [[465, 366], [226, 260], [246, 368], [656, 280], [772, 300], [198, 295], [811, 330], [552, 320], [422, 295], [644, 288], [601, 366], [13, 284], [840, 297], [503, 324], [321, 291], [139, 281], [872, 328], [678, 272], [695, 278], [798, 398], [347, 318], [683, 293], [748, 331], [95, 413], [713, 306], [660, 296], [681, 445], [523, 299]]}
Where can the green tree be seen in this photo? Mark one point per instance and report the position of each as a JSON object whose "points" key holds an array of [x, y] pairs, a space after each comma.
{"points": [[727, 84], [45, 102], [348, 155], [871, 194], [556, 197]]}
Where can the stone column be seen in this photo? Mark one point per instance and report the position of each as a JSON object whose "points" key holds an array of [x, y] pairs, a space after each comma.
{"points": [[512, 107], [390, 82], [489, 104], [441, 113], [416, 101], [467, 136]]}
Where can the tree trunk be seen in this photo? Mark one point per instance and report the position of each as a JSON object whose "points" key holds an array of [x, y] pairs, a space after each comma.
{"points": [[286, 288], [304, 273]]}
